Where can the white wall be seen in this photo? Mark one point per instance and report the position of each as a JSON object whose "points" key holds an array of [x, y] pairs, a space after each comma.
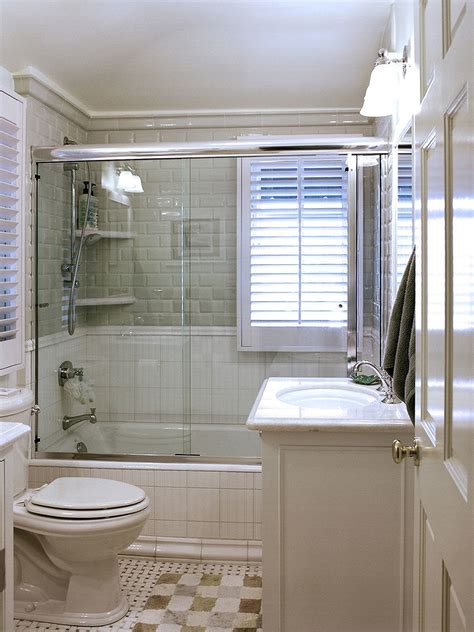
{"points": [[6, 80]]}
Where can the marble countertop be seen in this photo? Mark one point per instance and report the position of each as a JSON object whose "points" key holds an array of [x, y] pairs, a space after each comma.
{"points": [[273, 414], [11, 431]]}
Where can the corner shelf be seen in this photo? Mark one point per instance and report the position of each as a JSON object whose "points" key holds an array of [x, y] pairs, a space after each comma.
{"points": [[106, 300], [106, 234]]}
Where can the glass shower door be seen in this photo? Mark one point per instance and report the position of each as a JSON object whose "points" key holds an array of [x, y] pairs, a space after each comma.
{"points": [[128, 371]]}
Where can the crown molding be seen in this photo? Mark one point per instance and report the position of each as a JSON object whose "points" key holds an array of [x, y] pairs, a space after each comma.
{"points": [[32, 82]]}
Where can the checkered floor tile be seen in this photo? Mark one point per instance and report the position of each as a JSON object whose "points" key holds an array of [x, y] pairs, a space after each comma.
{"points": [[139, 576]]}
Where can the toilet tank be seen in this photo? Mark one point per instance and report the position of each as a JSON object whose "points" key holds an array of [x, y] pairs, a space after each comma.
{"points": [[15, 406]]}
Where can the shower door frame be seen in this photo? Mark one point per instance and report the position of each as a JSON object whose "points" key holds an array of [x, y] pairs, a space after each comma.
{"points": [[283, 146]]}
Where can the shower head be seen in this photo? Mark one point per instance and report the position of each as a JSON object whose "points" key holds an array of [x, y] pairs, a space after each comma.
{"points": [[71, 166]]}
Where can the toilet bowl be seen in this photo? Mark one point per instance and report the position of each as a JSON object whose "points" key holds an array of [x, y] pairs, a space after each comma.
{"points": [[67, 538]]}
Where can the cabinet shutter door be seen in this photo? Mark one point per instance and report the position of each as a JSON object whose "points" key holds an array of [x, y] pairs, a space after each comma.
{"points": [[11, 233]]}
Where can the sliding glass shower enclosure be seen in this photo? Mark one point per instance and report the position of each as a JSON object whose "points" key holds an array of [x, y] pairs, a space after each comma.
{"points": [[158, 365]]}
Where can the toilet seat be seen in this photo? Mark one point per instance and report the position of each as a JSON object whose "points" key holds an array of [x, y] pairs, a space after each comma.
{"points": [[86, 498]]}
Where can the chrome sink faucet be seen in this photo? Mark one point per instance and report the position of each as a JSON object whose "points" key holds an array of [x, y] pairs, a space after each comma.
{"points": [[386, 380], [68, 422]]}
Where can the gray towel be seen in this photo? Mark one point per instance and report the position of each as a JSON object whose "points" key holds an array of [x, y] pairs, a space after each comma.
{"points": [[399, 361]]}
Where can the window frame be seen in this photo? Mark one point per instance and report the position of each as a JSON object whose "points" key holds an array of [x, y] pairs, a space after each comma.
{"points": [[287, 338]]}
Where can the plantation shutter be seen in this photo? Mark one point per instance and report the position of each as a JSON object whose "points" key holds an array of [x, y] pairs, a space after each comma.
{"points": [[294, 253], [405, 238], [11, 203]]}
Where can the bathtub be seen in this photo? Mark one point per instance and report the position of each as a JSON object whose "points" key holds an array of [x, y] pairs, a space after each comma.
{"points": [[135, 439]]}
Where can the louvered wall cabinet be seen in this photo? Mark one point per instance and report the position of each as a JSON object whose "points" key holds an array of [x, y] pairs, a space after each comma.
{"points": [[12, 211]]}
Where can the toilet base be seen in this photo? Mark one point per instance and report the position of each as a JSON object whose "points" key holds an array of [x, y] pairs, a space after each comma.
{"points": [[53, 611]]}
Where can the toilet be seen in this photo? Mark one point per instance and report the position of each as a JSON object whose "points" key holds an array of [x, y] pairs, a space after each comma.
{"points": [[67, 536]]}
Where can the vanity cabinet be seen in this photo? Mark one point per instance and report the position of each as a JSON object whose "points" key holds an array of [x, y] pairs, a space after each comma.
{"points": [[337, 522], [337, 531]]}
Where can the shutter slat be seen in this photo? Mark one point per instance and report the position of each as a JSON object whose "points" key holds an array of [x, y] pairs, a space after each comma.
{"points": [[8, 127], [298, 242], [404, 214], [10, 138], [8, 152]]}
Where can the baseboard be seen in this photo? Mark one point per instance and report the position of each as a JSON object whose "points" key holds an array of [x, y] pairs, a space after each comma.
{"points": [[196, 549]]}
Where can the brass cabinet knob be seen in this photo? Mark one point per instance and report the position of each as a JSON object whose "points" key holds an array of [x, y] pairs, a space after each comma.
{"points": [[400, 451]]}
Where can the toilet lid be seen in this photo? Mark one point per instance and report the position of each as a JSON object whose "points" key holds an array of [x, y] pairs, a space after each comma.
{"points": [[86, 494], [85, 514]]}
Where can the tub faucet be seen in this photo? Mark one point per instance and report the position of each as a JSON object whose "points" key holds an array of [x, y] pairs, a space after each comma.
{"points": [[68, 422], [386, 380]]}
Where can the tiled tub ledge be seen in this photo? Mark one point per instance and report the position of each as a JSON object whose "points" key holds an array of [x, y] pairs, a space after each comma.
{"points": [[200, 549]]}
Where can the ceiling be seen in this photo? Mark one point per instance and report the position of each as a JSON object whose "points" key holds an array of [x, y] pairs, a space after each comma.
{"points": [[188, 55]]}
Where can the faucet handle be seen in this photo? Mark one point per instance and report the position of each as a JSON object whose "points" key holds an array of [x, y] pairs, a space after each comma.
{"points": [[93, 416]]}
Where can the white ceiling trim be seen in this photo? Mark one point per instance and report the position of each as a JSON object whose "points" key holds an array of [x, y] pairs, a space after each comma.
{"points": [[30, 72]]}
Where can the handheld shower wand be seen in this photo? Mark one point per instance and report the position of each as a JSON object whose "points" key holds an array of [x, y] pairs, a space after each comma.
{"points": [[76, 253]]}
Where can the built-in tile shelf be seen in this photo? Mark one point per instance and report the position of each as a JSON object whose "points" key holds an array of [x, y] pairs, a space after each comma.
{"points": [[106, 300], [96, 235]]}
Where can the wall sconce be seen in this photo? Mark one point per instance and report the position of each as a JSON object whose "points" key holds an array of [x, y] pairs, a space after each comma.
{"points": [[128, 180], [382, 93]]}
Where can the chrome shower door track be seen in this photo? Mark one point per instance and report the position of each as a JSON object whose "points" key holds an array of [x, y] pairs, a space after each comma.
{"points": [[212, 149]]}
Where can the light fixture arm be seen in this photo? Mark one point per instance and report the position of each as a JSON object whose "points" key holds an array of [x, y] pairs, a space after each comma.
{"points": [[383, 58]]}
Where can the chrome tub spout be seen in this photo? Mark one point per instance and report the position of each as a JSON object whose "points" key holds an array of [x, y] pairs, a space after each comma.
{"points": [[68, 422]]}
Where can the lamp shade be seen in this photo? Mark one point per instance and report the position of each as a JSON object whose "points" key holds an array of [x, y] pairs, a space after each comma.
{"points": [[380, 97], [129, 182]]}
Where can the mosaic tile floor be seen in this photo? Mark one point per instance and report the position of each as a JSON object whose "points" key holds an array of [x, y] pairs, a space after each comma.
{"points": [[139, 576]]}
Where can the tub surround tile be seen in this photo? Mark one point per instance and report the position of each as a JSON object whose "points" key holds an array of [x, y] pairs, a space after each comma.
{"points": [[257, 480], [141, 478], [236, 505], [170, 503], [148, 529], [236, 480], [171, 528], [164, 478], [203, 479], [116, 475], [203, 504], [197, 529], [257, 506], [236, 530]]}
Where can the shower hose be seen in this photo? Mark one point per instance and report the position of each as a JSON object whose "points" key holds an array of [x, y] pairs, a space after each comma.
{"points": [[71, 310]]}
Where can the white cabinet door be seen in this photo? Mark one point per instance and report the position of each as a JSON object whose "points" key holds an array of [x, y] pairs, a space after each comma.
{"points": [[444, 174]]}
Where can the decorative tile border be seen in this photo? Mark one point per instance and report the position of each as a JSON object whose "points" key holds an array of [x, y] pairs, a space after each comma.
{"points": [[196, 549]]}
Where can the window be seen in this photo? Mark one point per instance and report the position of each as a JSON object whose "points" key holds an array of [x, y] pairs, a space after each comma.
{"points": [[404, 225], [293, 248], [11, 231]]}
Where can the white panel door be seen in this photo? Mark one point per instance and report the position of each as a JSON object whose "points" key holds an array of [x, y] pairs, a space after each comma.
{"points": [[444, 174]]}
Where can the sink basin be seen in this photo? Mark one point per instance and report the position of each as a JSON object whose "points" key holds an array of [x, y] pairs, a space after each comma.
{"points": [[322, 404], [330, 398]]}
